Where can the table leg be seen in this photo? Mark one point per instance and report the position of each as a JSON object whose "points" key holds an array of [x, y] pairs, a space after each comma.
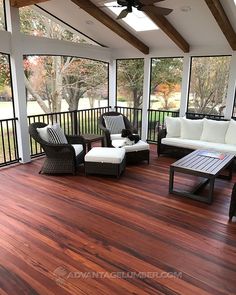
{"points": [[231, 167], [89, 146], [171, 180], [211, 190]]}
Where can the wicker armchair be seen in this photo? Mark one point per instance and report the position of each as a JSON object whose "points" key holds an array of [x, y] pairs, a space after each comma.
{"points": [[60, 158], [232, 208], [101, 125], [133, 156]]}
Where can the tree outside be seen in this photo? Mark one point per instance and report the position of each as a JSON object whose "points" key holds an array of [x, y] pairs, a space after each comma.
{"points": [[2, 17], [209, 84], [53, 80], [130, 74], [59, 83], [37, 24], [166, 82]]}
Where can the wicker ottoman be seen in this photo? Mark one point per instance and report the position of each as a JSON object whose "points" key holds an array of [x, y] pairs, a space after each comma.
{"points": [[106, 161]]}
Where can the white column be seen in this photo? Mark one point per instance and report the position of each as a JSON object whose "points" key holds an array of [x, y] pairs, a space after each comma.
{"points": [[19, 94], [231, 88], [112, 83], [146, 95], [185, 85]]}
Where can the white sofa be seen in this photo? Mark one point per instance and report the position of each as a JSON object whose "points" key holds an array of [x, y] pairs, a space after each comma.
{"points": [[186, 134]]}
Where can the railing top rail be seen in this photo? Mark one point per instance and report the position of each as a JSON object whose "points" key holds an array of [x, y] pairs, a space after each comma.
{"points": [[163, 111], [9, 119], [67, 112], [205, 115], [129, 108]]}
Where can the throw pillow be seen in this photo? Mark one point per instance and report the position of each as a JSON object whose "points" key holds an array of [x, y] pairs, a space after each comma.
{"points": [[214, 131], [43, 132], [230, 137], [191, 129], [172, 127], [56, 135], [114, 124]]}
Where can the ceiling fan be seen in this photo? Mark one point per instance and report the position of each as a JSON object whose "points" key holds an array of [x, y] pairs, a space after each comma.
{"points": [[144, 5]]}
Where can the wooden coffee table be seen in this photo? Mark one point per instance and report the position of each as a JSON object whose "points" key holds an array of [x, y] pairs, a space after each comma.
{"points": [[201, 166]]}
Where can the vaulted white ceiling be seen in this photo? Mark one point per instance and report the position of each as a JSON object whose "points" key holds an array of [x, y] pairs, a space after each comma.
{"points": [[197, 26]]}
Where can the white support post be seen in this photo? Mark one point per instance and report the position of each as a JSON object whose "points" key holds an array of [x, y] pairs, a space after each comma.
{"points": [[112, 83], [19, 94], [185, 85], [146, 96], [231, 88]]}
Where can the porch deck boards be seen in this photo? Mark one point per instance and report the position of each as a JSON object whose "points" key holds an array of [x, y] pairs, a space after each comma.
{"points": [[52, 229]]}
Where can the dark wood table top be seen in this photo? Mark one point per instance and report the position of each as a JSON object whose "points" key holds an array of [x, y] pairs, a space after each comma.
{"points": [[195, 162], [92, 137]]}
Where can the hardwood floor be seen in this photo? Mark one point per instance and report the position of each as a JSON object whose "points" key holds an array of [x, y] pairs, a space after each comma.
{"points": [[125, 236]]}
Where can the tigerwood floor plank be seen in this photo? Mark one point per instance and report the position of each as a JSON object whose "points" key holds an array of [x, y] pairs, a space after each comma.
{"points": [[52, 228]]}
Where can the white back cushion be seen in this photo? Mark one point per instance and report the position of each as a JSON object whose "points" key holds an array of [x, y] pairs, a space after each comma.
{"points": [[191, 129], [214, 131], [230, 136], [172, 127], [114, 124], [43, 132]]}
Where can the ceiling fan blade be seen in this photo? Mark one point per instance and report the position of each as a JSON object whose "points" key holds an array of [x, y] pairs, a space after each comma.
{"points": [[157, 10], [150, 2], [123, 14], [122, 2]]}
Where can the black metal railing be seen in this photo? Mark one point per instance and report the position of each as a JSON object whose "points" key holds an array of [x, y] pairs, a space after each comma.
{"points": [[190, 115], [88, 120], [8, 142], [135, 116], [82, 122], [72, 122], [156, 121]]}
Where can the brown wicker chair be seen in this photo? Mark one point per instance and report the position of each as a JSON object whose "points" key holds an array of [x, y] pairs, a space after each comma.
{"points": [[60, 158], [101, 125], [131, 157], [232, 208]]}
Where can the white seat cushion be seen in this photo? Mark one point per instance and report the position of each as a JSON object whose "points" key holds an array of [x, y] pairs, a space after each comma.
{"points": [[105, 155], [172, 126], [117, 143], [198, 144], [230, 136], [191, 129], [78, 148], [139, 146], [116, 136], [214, 131]]}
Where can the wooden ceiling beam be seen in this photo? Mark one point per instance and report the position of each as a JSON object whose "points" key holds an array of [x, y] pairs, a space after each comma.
{"points": [[106, 20], [169, 30], [21, 3], [223, 21]]}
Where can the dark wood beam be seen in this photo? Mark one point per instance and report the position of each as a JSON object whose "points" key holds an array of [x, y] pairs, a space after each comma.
{"points": [[110, 23], [169, 30], [21, 3], [223, 21]]}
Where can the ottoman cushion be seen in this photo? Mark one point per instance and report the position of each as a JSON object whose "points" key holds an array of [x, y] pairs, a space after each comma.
{"points": [[105, 155], [139, 146]]}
